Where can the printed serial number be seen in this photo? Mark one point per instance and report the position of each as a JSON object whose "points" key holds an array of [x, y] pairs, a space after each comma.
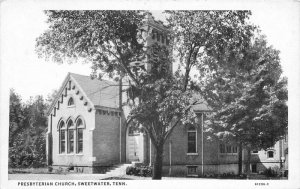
{"points": [[261, 184]]}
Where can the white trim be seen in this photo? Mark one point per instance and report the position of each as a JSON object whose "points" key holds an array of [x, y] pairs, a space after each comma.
{"points": [[192, 154], [82, 91], [59, 94]]}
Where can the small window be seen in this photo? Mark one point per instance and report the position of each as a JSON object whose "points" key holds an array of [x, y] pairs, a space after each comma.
{"points": [[254, 168], [158, 37], [71, 102], [192, 141], [222, 148], [228, 149], [270, 154], [192, 170], [254, 151], [234, 149], [153, 35]]}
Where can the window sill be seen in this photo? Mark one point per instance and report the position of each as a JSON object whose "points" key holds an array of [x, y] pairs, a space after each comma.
{"points": [[192, 154], [71, 154], [192, 175]]}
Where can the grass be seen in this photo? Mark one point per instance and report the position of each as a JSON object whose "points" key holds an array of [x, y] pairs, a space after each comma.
{"points": [[117, 178], [42, 170]]}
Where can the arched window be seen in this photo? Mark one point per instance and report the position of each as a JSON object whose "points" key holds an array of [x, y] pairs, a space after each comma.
{"points": [[71, 136], [192, 140], [79, 129], [71, 102], [62, 137]]}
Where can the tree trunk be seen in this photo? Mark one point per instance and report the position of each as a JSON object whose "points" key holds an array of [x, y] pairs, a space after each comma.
{"points": [[157, 167], [248, 162], [240, 159]]}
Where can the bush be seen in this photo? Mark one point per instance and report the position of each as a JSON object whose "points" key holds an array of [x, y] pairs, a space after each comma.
{"points": [[227, 175], [272, 171], [144, 171]]}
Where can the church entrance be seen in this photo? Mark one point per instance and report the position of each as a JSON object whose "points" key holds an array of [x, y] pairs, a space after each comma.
{"points": [[134, 146]]}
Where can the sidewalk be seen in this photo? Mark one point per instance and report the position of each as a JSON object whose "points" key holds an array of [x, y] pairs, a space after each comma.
{"points": [[88, 177]]}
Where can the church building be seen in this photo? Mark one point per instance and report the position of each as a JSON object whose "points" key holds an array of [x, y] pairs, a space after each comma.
{"points": [[87, 132]]}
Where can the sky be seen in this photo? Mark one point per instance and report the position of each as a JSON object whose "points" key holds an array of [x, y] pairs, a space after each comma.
{"points": [[22, 21], [22, 70]]}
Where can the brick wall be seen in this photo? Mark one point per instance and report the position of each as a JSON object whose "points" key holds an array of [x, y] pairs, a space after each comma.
{"points": [[64, 113], [106, 139]]}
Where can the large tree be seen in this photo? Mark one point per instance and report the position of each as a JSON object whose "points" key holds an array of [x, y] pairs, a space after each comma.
{"points": [[28, 124], [248, 95], [162, 103], [16, 115], [111, 40]]}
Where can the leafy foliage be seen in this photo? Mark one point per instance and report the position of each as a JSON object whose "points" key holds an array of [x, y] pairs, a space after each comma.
{"points": [[200, 34], [162, 103], [27, 131], [272, 171], [236, 75], [144, 171], [108, 39], [249, 99]]}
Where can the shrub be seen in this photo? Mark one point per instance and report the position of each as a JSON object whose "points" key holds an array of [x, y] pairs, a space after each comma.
{"points": [[50, 169], [130, 170], [144, 171], [272, 171]]}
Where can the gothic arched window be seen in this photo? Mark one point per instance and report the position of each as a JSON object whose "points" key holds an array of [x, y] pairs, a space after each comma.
{"points": [[79, 130], [71, 102], [71, 136], [62, 137]]}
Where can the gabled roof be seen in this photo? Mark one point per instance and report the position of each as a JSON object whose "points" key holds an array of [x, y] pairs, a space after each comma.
{"points": [[99, 93]]}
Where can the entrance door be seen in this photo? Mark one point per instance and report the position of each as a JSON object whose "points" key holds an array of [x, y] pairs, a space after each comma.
{"points": [[134, 146], [254, 168]]}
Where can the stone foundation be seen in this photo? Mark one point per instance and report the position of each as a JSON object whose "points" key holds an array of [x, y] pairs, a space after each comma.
{"points": [[81, 169]]}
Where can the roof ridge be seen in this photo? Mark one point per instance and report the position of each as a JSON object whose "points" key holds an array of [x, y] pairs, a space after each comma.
{"points": [[95, 79]]}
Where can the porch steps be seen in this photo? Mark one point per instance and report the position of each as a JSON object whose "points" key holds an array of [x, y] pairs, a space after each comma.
{"points": [[117, 170]]}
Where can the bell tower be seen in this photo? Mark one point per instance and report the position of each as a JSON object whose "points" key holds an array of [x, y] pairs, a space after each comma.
{"points": [[154, 32]]}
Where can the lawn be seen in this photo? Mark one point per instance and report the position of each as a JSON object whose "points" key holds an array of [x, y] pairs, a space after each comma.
{"points": [[41, 170]]}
